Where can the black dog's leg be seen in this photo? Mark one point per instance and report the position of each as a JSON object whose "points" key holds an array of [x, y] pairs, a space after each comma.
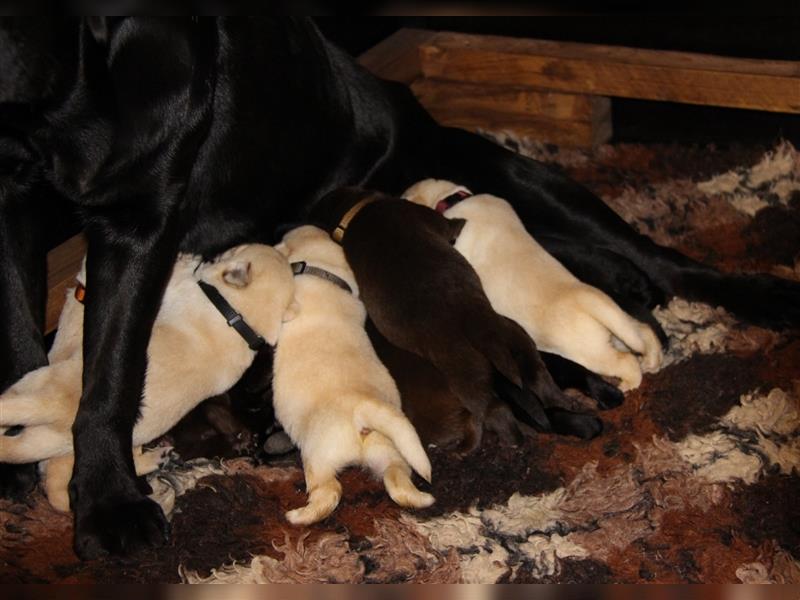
{"points": [[125, 282], [161, 72], [22, 284], [549, 203]]}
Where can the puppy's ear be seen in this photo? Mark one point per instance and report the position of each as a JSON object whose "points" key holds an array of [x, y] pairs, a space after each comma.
{"points": [[292, 311], [282, 248], [237, 274], [455, 226]]}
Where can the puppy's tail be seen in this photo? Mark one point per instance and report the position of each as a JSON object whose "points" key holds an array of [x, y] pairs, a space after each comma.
{"points": [[391, 422], [635, 335]]}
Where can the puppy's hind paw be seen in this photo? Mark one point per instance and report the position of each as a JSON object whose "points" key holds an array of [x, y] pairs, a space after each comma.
{"points": [[322, 501], [412, 498], [566, 422], [605, 394]]}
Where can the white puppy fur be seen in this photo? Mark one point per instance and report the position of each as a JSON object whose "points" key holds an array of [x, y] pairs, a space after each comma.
{"points": [[332, 394], [525, 283], [193, 355]]}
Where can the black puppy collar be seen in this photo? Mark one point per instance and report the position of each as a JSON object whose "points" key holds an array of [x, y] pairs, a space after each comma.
{"points": [[302, 268], [233, 318], [452, 200]]}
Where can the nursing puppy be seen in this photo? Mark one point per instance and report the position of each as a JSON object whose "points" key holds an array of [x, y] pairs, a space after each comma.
{"points": [[528, 285], [425, 298], [193, 355], [332, 394]]}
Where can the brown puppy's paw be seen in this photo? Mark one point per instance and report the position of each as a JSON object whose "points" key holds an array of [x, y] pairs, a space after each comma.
{"points": [[501, 420], [566, 422]]}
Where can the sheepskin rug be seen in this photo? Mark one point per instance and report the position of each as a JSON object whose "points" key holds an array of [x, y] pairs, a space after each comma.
{"points": [[695, 479]]}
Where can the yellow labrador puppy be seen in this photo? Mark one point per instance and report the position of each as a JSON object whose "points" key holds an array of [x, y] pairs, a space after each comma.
{"points": [[193, 355], [525, 283], [331, 393]]}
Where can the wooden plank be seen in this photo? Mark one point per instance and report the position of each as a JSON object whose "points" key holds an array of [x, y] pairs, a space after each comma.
{"points": [[63, 264], [397, 57], [568, 119], [457, 96], [613, 71]]}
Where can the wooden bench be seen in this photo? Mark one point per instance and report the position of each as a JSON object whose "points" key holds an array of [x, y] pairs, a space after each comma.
{"points": [[556, 92], [560, 92]]}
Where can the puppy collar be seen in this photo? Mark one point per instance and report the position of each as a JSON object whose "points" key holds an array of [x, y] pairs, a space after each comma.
{"points": [[302, 268], [234, 318], [452, 200], [341, 228]]}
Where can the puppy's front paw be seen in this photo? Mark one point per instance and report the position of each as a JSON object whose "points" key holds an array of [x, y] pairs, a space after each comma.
{"points": [[121, 524]]}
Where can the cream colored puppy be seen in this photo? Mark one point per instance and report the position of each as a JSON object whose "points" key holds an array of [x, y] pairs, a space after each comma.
{"points": [[525, 283], [332, 394], [193, 355]]}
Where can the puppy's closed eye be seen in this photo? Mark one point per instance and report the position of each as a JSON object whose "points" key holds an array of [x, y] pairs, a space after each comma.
{"points": [[237, 274]]}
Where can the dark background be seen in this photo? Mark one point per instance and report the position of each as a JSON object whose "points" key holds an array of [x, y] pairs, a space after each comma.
{"points": [[776, 37]]}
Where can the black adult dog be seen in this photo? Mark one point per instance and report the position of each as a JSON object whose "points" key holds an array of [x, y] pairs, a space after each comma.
{"points": [[198, 134]]}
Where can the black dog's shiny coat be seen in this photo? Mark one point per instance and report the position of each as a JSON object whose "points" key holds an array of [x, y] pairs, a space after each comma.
{"points": [[425, 298], [196, 134]]}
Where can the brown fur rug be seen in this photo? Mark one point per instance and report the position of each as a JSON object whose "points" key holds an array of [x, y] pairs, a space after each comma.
{"points": [[694, 480]]}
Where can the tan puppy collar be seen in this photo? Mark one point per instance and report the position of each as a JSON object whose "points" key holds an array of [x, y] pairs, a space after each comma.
{"points": [[341, 228]]}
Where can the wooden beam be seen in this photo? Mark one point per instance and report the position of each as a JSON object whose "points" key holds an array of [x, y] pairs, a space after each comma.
{"points": [[614, 71], [568, 119], [397, 57], [63, 264]]}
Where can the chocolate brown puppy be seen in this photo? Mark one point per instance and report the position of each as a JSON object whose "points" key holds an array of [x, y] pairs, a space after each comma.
{"points": [[425, 298]]}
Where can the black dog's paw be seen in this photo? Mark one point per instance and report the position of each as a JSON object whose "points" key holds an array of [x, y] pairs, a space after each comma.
{"points": [[120, 526], [566, 422], [605, 394], [17, 481]]}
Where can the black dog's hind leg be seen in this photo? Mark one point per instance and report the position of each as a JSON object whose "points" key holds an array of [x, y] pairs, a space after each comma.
{"points": [[23, 290], [549, 203]]}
